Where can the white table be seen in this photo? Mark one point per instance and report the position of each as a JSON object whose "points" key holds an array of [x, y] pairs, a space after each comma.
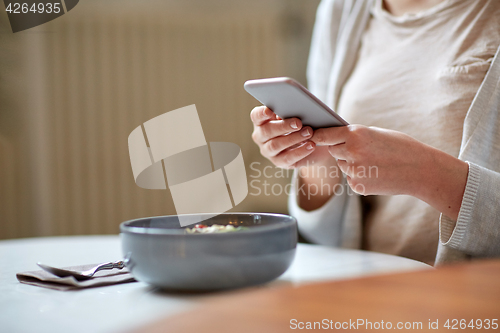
{"points": [[25, 308]]}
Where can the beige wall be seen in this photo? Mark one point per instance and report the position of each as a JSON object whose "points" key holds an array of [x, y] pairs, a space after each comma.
{"points": [[73, 89]]}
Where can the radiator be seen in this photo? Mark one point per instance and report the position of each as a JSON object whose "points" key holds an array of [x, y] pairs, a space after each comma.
{"points": [[106, 67]]}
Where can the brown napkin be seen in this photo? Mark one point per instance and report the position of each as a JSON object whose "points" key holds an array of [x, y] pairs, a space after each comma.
{"points": [[45, 279]]}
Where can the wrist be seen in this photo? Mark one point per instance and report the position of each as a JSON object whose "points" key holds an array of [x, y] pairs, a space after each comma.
{"points": [[317, 184], [441, 182]]}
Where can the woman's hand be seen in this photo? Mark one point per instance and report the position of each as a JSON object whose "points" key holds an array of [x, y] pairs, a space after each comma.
{"points": [[285, 142], [385, 162], [375, 160]]}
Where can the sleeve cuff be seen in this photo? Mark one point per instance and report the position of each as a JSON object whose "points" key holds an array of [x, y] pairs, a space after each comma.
{"points": [[451, 232]]}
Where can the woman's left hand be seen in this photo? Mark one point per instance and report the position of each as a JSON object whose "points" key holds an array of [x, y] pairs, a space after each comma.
{"points": [[386, 162]]}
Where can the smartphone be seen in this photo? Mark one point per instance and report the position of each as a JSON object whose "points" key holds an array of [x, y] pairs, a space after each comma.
{"points": [[289, 99]]}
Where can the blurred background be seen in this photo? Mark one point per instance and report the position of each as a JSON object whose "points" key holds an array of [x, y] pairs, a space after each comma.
{"points": [[73, 89]]}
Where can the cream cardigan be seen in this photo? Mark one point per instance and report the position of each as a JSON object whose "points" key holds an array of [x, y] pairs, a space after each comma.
{"points": [[476, 233]]}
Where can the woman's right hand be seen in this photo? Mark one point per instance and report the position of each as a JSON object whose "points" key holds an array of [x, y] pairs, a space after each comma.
{"points": [[288, 145], [284, 141]]}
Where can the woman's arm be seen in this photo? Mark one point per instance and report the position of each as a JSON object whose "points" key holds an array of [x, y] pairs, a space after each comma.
{"points": [[317, 181], [476, 231]]}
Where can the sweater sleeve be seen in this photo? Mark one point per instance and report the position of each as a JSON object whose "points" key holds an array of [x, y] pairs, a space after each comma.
{"points": [[338, 221], [477, 229], [321, 226], [323, 46]]}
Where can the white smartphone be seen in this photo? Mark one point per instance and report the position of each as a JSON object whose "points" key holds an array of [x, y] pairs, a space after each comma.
{"points": [[288, 99]]}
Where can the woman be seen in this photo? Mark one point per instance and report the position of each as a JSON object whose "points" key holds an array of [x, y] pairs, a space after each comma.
{"points": [[424, 76]]}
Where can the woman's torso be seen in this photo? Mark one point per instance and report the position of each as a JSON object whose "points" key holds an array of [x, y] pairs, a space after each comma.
{"points": [[418, 74]]}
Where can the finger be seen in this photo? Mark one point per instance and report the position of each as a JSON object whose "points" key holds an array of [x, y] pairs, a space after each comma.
{"points": [[275, 146], [275, 128], [349, 180], [330, 136], [339, 151], [358, 188], [290, 157], [261, 115], [346, 167]]}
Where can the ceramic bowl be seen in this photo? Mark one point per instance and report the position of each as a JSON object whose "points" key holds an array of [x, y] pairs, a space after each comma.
{"points": [[158, 251]]}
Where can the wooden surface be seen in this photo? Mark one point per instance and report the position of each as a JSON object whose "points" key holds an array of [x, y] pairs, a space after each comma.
{"points": [[466, 291]]}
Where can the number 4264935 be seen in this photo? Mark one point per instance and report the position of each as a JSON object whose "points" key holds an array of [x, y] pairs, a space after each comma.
{"points": [[23, 8], [455, 324]]}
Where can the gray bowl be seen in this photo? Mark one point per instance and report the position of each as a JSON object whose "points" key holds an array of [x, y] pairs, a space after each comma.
{"points": [[158, 251]]}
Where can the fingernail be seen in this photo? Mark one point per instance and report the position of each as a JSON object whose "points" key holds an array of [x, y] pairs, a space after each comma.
{"points": [[264, 111], [309, 146], [294, 124], [305, 133]]}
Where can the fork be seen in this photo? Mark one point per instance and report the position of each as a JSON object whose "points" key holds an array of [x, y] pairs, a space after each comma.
{"points": [[81, 275]]}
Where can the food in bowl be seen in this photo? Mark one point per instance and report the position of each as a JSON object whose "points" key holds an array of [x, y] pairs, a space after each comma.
{"points": [[209, 229]]}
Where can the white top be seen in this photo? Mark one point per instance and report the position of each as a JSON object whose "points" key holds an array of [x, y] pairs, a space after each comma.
{"points": [[340, 27]]}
